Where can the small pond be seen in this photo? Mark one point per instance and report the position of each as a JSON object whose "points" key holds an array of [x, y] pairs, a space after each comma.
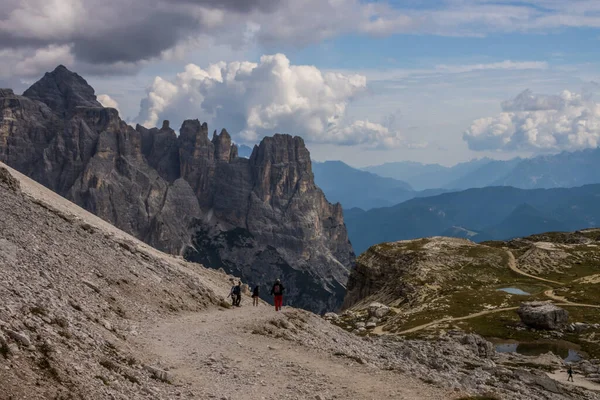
{"points": [[563, 350], [513, 290]]}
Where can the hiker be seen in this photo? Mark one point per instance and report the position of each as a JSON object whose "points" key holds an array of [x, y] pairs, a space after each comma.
{"points": [[232, 293], [237, 294], [255, 295], [277, 292], [570, 372]]}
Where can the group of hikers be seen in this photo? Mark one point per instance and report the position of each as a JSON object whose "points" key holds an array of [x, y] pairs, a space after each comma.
{"points": [[276, 292]]}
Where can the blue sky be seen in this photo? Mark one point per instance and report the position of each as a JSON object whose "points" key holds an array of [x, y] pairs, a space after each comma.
{"points": [[362, 81]]}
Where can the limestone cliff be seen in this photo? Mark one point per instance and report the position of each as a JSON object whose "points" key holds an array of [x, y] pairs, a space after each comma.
{"points": [[260, 218]]}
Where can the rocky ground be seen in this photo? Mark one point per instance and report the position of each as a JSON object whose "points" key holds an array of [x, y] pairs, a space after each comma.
{"points": [[90, 312]]}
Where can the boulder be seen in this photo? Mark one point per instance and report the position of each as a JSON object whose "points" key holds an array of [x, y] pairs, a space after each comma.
{"points": [[19, 337], [478, 345], [158, 373], [378, 310], [331, 316], [543, 315]]}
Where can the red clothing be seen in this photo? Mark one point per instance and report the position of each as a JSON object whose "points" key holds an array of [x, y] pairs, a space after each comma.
{"points": [[278, 302]]}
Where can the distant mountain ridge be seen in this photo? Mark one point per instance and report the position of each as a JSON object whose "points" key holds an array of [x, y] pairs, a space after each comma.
{"points": [[426, 176], [491, 213], [354, 188], [566, 169]]}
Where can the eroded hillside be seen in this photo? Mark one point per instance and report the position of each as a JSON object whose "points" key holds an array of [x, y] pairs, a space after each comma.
{"points": [[74, 290]]}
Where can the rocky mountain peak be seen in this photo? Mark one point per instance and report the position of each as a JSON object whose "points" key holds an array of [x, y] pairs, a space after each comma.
{"points": [[63, 91]]}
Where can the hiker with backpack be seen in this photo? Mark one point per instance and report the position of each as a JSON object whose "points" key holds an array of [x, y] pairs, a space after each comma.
{"points": [[277, 292], [231, 292], [570, 373], [237, 294], [255, 296]]}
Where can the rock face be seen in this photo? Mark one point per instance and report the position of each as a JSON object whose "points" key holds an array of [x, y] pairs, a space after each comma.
{"points": [[543, 315], [260, 218]]}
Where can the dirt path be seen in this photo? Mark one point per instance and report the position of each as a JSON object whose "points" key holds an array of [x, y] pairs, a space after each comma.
{"points": [[512, 264], [217, 354], [561, 376], [379, 330]]}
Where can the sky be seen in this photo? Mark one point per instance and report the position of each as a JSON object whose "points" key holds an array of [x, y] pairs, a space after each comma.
{"points": [[365, 82]]}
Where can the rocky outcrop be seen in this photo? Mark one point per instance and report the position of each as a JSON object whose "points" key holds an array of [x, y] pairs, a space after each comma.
{"points": [[63, 91], [543, 315], [260, 218]]}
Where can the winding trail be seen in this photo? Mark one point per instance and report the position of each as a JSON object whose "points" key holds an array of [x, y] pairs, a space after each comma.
{"points": [[512, 264], [454, 319]]}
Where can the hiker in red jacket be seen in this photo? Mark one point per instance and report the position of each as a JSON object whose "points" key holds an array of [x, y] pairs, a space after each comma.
{"points": [[277, 292]]}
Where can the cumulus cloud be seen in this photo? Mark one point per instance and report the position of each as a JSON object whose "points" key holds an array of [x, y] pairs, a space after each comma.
{"points": [[108, 101], [536, 122], [256, 99]]}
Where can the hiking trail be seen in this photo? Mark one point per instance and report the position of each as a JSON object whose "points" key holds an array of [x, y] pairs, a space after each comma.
{"points": [[219, 355], [512, 264]]}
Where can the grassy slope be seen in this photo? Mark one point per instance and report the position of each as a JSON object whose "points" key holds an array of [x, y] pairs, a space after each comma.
{"points": [[461, 279]]}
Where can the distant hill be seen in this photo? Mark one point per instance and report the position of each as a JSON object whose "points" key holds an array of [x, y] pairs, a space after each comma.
{"points": [[486, 174], [244, 151], [566, 169], [355, 188], [426, 176], [492, 213]]}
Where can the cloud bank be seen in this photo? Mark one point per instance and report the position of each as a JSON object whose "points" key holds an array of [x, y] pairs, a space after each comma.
{"points": [[537, 122], [253, 100], [120, 35]]}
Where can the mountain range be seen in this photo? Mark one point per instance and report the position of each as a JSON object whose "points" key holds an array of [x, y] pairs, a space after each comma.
{"points": [[478, 214], [392, 183], [427, 176], [258, 218], [566, 169], [354, 188]]}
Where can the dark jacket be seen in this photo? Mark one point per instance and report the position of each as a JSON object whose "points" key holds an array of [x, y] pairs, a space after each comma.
{"points": [[281, 288], [255, 292]]}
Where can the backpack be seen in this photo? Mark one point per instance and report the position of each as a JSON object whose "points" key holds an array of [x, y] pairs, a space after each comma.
{"points": [[277, 289]]}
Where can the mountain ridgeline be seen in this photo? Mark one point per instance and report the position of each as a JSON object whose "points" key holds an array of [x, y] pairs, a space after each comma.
{"points": [[259, 218], [491, 213], [566, 169]]}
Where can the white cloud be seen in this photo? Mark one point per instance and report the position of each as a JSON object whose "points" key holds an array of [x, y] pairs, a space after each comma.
{"points": [[105, 32], [503, 65], [108, 101], [253, 100], [532, 122]]}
